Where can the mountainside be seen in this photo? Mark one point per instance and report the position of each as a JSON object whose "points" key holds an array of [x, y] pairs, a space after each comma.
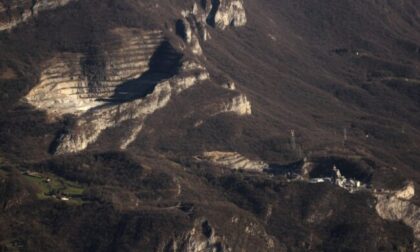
{"points": [[211, 125]]}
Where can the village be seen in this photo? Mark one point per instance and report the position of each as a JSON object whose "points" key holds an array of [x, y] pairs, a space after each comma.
{"points": [[350, 185]]}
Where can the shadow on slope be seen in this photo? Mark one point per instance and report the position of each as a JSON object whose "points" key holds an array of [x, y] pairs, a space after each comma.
{"points": [[163, 65]]}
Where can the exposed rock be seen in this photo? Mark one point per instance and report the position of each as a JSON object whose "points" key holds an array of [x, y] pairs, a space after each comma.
{"points": [[133, 135], [62, 88], [209, 236], [66, 86], [307, 168], [185, 30], [233, 102], [396, 206], [234, 161], [229, 85], [90, 125], [227, 12], [191, 66], [192, 28], [220, 13], [407, 192], [239, 105], [95, 86], [14, 12], [197, 18], [201, 238]]}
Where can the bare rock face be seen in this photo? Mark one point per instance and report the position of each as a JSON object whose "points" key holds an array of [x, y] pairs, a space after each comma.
{"points": [[14, 12], [129, 76], [185, 29], [193, 28], [201, 237], [407, 192], [239, 105], [218, 13], [234, 161], [129, 80], [206, 236], [91, 124], [226, 13], [396, 206], [229, 85], [69, 85]]}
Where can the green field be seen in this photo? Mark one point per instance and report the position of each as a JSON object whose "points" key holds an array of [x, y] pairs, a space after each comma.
{"points": [[50, 186], [10, 245], [53, 187]]}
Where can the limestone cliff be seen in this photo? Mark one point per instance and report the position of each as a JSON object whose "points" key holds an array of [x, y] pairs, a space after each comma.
{"points": [[131, 74], [224, 13], [205, 236], [201, 237], [220, 14], [91, 124], [234, 161], [239, 105], [67, 85], [396, 206]]}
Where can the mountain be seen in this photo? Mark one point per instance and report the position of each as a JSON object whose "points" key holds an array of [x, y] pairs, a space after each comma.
{"points": [[211, 125]]}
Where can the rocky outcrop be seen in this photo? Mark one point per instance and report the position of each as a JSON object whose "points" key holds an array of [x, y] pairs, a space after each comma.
{"points": [[239, 105], [229, 85], [14, 12], [193, 28], [201, 237], [407, 193], [129, 76], [212, 236], [233, 103], [218, 13], [226, 13], [396, 206], [69, 83], [234, 161], [185, 30], [127, 79], [91, 124]]}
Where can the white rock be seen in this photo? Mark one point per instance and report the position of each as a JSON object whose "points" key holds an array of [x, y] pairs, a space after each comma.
{"points": [[190, 30], [234, 160], [63, 88], [196, 240], [397, 207], [132, 137], [407, 192], [239, 105], [91, 124], [229, 85], [229, 12]]}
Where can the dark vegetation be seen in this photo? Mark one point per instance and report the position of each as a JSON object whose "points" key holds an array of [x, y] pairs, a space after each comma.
{"points": [[302, 216], [361, 170]]}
